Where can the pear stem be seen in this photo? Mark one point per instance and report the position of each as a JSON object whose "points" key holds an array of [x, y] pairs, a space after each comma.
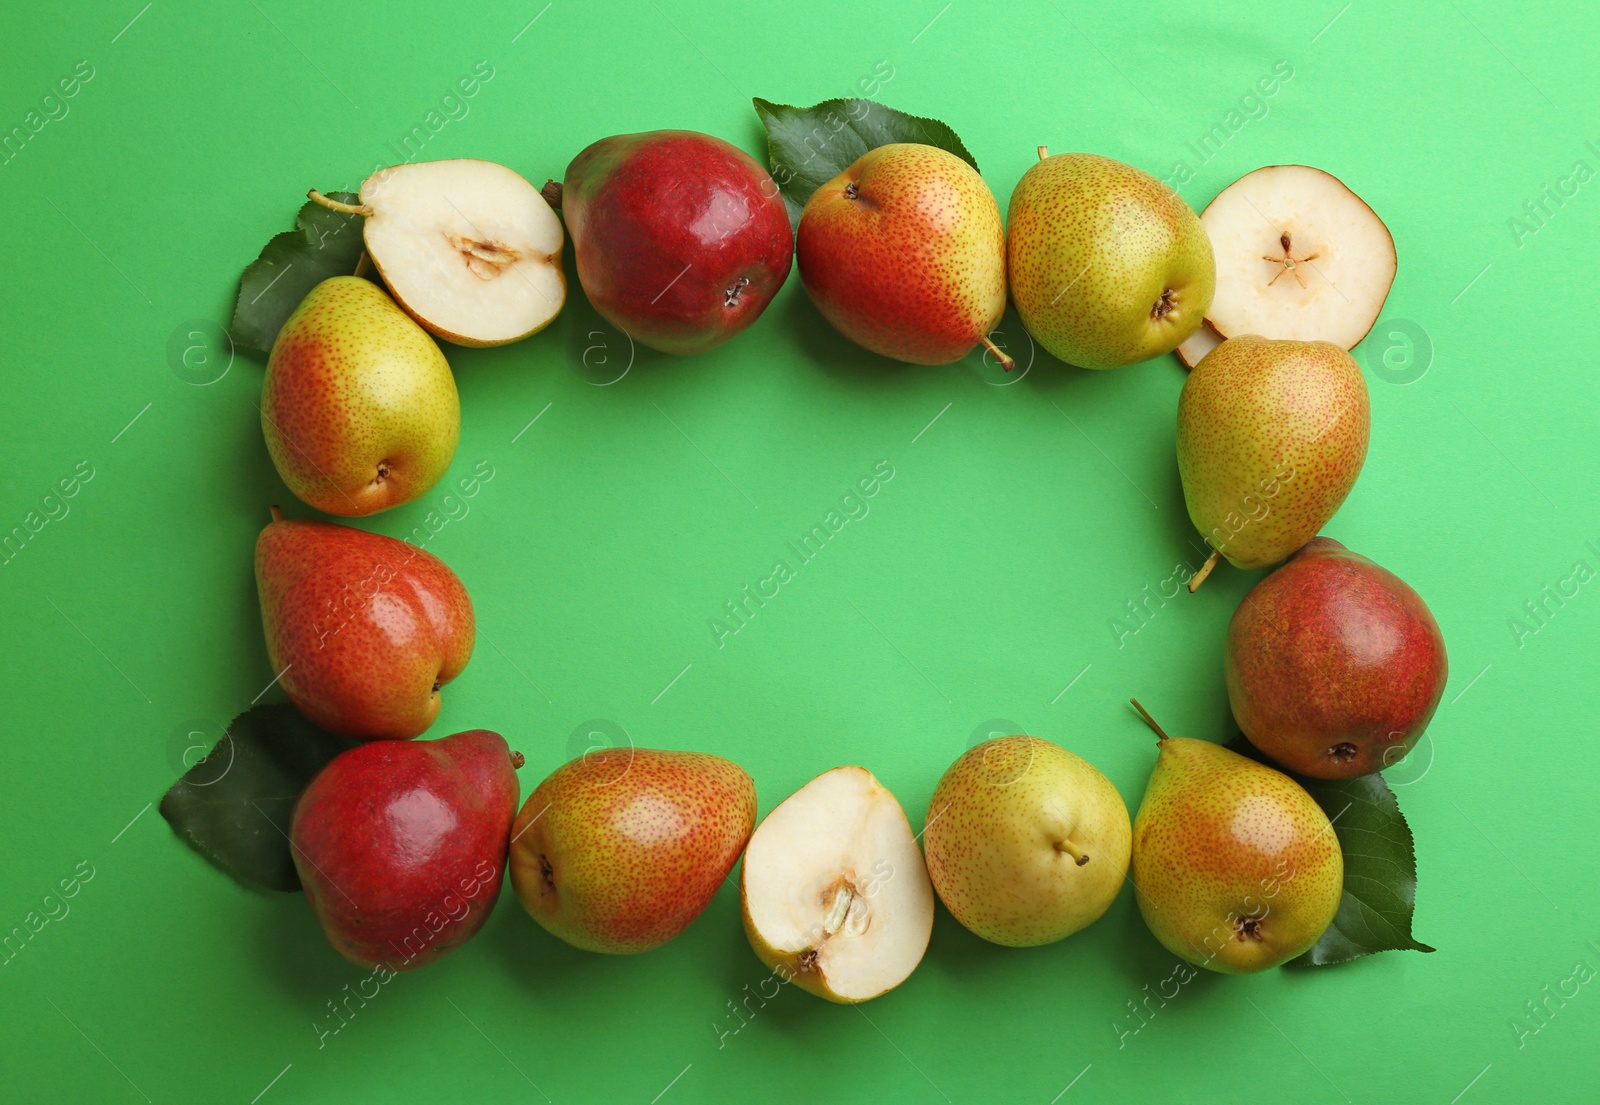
{"points": [[277, 514], [1044, 152], [363, 265], [1150, 721], [517, 760], [552, 193], [999, 354], [334, 205], [1205, 569], [1068, 847]]}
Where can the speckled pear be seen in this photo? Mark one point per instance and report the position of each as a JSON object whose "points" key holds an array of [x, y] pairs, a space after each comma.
{"points": [[620, 849], [1026, 843], [1235, 867], [1271, 436], [359, 407], [904, 254], [1108, 265]]}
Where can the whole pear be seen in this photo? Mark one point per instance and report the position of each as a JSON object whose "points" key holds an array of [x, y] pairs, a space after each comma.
{"points": [[1026, 843], [401, 846], [904, 254], [1108, 265], [1271, 436], [1334, 666], [680, 239], [1235, 867], [620, 849], [359, 407], [363, 630]]}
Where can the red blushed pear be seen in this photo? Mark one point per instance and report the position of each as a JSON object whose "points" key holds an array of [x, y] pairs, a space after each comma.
{"points": [[1334, 666], [680, 239], [401, 847], [363, 630], [618, 851], [904, 254]]}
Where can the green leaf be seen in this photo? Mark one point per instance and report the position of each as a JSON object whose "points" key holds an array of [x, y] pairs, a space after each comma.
{"points": [[233, 807], [1380, 866], [323, 243], [809, 146]]}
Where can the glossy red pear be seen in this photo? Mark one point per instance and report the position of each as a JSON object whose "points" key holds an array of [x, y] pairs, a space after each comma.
{"points": [[401, 846], [680, 239], [363, 630], [1334, 666]]}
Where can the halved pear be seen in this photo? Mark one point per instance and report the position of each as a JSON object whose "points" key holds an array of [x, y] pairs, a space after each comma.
{"points": [[1299, 256], [835, 895], [469, 248]]}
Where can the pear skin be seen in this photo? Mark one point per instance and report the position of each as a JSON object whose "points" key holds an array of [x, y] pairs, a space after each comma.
{"points": [[1235, 867], [363, 630], [401, 847], [1026, 843], [620, 849], [359, 408], [1271, 437], [1108, 265], [904, 254]]}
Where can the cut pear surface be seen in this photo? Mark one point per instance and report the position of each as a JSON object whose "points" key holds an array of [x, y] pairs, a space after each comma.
{"points": [[469, 248], [1299, 256], [836, 898], [1194, 349]]}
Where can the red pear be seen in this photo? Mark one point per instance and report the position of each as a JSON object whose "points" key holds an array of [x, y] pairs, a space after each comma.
{"points": [[1334, 666], [680, 239], [362, 629], [401, 847]]}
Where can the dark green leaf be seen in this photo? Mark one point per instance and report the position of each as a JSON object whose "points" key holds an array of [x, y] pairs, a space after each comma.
{"points": [[323, 243], [1380, 866], [233, 807], [809, 146]]}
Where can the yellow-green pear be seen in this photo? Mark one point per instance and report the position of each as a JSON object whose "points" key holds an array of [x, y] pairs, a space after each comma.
{"points": [[1271, 437], [1108, 265], [1026, 843], [1235, 867], [359, 407]]}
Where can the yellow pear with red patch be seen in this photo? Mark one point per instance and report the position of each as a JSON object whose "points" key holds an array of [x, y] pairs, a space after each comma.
{"points": [[1235, 867], [620, 849], [904, 254]]}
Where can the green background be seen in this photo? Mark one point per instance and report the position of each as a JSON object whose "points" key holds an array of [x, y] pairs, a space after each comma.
{"points": [[984, 580]]}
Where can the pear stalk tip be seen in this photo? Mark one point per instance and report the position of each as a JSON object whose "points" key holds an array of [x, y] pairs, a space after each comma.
{"points": [[1205, 569], [517, 760], [999, 354], [1044, 152], [552, 193], [276, 512], [1150, 721]]}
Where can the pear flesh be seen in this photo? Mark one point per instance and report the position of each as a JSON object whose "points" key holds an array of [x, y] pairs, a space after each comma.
{"points": [[469, 248], [1026, 843], [1271, 437], [1235, 867], [1299, 256], [836, 898]]}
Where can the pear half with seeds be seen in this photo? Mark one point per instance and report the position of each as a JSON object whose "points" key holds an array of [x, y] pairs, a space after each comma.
{"points": [[835, 894], [469, 248]]}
